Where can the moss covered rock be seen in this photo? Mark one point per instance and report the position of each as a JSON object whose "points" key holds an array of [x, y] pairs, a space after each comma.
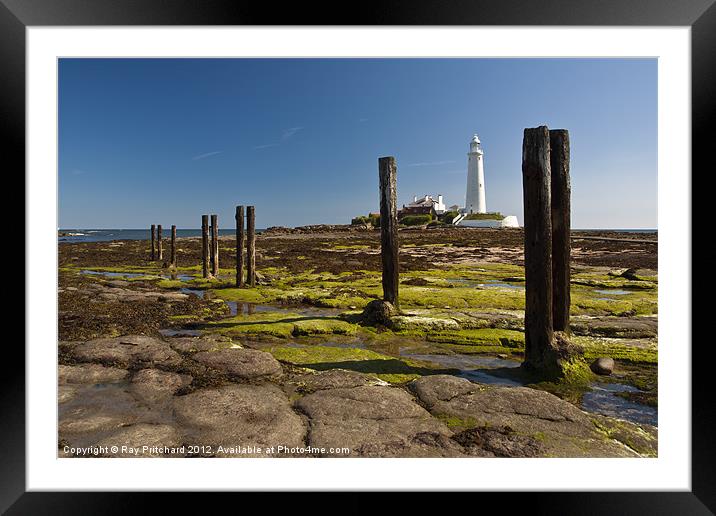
{"points": [[561, 428], [379, 312], [422, 323]]}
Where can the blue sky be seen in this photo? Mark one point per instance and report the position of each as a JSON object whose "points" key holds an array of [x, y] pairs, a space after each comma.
{"points": [[164, 141]]}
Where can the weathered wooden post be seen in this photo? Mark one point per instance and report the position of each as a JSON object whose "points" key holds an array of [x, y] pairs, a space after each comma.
{"points": [[538, 248], [561, 193], [160, 252], [154, 243], [240, 244], [251, 245], [173, 248], [387, 171], [214, 245], [205, 246]]}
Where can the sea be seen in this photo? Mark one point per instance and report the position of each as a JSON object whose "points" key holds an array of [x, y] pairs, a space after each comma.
{"points": [[106, 235]]}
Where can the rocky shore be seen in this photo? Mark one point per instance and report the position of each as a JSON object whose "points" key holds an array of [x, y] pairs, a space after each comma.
{"points": [[159, 362], [207, 397]]}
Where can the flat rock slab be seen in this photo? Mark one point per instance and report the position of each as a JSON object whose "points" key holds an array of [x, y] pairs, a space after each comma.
{"points": [[117, 290], [90, 374], [153, 385], [143, 440], [417, 322], [173, 296], [478, 320], [66, 393], [252, 416], [240, 363], [618, 327], [333, 379], [90, 413], [498, 442], [118, 283], [195, 344], [562, 429], [94, 412], [129, 351], [375, 421]]}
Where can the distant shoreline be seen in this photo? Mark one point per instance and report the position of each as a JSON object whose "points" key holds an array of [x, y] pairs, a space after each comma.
{"points": [[106, 235], [224, 230]]}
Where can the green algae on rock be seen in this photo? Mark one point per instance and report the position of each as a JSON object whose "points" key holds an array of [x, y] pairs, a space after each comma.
{"points": [[281, 324], [480, 337], [561, 429], [322, 358]]}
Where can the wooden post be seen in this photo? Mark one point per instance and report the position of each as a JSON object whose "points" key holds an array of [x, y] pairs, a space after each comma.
{"points": [[538, 248], [251, 245], [205, 246], [240, 244], [173, 248], [561, 193], [214, 245], [387, 171], [160, 252], [154, 243]]}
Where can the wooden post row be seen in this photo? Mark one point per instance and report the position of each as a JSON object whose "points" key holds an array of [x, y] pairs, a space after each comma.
{"points": [[240, 244], [154, 242], [173, 248], [205, 246], [561, 221], [538, 246], [251, 245], [387, 172], [214, 245], [160, 252]]}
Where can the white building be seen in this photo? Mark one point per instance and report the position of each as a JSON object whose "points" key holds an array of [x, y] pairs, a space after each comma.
{"points": [[428, 200], [509, 221], [475, 192]]}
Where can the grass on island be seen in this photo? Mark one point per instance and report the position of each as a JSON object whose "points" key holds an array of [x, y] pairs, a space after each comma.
{"points": [[495, 215]]}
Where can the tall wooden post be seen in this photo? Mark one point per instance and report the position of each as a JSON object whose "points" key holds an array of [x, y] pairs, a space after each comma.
{"points": [[387, 172], [538, 248], [561, 193], [240, 244], [173, 248], [214, 245], [205, 246], [160, 252], [154, 243], [251, 245]]}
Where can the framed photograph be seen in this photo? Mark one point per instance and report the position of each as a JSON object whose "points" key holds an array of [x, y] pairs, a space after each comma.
{"points": [[276, 251]]}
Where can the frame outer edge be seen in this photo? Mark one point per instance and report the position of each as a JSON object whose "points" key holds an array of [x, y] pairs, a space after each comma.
{"points": [[12, 116], [703, 114], [12, 59]]}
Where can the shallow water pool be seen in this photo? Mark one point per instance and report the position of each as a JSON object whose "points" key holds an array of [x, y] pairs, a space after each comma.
{"points": [[612, 292], [602, 399], [108, 274]]}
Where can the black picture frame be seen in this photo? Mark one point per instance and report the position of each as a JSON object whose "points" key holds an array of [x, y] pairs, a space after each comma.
{"points": [[17, 15]]}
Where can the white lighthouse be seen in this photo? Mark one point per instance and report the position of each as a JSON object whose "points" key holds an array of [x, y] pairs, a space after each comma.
{"points": [[475, 194]]}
